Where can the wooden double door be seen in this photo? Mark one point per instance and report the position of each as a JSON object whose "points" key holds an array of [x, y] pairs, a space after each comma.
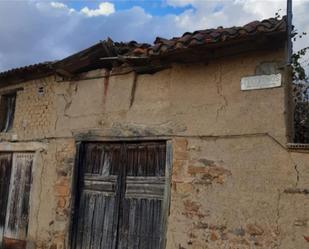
{"points": [[121, 199], [15, 185]]}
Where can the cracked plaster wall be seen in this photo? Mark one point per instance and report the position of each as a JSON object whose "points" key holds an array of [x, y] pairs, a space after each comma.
{"points": [[234, 183], [186, 100]]}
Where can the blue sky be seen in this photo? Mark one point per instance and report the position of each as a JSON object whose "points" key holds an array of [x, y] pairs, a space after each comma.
{"points": [[154, 7], [42, 30]]}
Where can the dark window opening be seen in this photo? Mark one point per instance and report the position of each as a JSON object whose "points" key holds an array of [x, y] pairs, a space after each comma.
{"points": [[7, 109]]}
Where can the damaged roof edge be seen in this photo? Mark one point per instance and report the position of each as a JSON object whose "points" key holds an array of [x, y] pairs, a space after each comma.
{"points": [[177, 49], [23, 73]]}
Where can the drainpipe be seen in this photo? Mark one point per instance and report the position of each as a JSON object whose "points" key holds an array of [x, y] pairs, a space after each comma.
{"points": [[289, 103], [289, 32]]}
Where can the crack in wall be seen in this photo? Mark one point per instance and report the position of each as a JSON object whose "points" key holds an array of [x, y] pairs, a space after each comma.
{"points": [[56, 122], [106, 86], [295, 169], [297, 191], [297, 175], [68, 103], [277, 220], [133, 91], [83, 115], [220, 93], [54, 107], [67, 97]]}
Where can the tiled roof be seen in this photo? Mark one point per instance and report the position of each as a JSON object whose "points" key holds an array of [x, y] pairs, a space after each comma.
{"points": [[216, 36], [207, 38], [42, 67]]}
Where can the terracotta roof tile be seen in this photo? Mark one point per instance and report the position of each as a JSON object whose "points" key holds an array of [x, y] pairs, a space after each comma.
{"points": [[44, 66], [219, 35]]}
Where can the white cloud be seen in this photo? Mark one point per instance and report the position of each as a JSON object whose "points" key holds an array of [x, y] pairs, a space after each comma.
{"points": [[51, 30], [225, 13], [105, 9], [209, 14], [58, 5]]}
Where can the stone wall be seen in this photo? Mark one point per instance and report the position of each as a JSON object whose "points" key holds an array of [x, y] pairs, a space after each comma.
{"points": [[235, 184], [34, 117], [51, 195], [236, 192]]}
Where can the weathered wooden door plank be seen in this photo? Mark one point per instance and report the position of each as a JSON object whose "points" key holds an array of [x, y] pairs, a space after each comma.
{"points": [[5, 177], [97, 204], [122, 187], [144, 186], [16, 225]]}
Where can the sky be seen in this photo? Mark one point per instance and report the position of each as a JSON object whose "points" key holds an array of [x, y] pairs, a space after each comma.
{"points": [[35, 31]]}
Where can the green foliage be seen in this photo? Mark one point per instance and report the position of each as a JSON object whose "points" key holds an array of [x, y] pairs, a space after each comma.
{"points": [[300, 80], [299, 72]]}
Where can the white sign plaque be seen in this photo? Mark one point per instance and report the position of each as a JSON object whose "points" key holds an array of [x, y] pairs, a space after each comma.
{"points": [[261, 81]]}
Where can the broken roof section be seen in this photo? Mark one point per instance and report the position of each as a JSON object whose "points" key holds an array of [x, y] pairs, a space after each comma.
{"points": [[201, 45]]}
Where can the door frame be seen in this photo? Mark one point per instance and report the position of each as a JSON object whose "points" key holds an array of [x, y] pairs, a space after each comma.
{"points": [[76, 173], [27, 147]]}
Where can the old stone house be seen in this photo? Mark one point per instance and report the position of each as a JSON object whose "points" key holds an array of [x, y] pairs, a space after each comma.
{"points": [[186, 143]]}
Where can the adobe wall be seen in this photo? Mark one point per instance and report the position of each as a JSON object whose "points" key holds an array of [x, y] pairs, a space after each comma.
{"points": [[238, 192], [234, 182]]}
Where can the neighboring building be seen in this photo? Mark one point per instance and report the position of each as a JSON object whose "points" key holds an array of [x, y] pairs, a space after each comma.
{"points": [[184, 144]]}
